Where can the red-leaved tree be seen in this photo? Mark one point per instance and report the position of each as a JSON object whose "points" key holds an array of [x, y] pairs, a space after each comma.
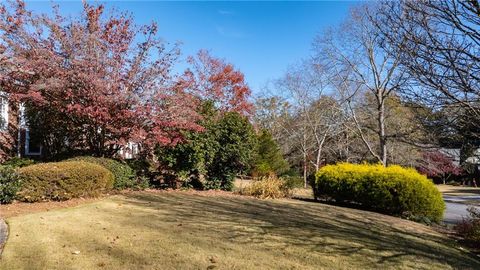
{"points": [[215, 80], [96, 81], [436, 164]]}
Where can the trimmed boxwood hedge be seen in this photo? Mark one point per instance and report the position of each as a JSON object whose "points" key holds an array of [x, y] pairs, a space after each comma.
{"points": [[124, 174], [63, 180], [391, 190]]}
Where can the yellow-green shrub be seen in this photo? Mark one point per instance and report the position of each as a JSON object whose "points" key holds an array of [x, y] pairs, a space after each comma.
{"points": [[391, 190], [63, 181], [269, 187]]}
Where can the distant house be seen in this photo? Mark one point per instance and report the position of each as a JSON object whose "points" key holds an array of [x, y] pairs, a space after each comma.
{"points": [[454, 154], [475, 158], [16, 139]]}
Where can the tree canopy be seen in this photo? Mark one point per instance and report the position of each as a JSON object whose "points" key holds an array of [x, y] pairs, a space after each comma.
{"points": [[93, 82]]}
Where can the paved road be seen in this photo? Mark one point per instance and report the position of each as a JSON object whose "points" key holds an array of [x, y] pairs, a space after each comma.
{"points": [[456, 211]]}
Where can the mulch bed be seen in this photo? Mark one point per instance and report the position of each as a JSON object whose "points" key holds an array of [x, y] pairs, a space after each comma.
{"points": [[21, 208]]}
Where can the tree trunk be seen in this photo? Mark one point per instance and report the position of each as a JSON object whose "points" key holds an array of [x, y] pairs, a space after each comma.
{"points": [[304, 159], [318, 162], [347, 150], [305, 169], [381, 129], [318, 159]]}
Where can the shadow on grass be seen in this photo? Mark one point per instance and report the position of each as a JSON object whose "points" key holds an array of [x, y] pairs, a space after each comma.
{"points": [[315, 228], [32, 259]]}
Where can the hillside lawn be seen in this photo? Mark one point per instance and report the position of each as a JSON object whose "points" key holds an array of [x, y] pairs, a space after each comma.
{"points": [[215, 230]]}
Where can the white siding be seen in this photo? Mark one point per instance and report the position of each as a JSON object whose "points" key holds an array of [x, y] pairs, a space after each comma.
{"points": [[3, 113]]}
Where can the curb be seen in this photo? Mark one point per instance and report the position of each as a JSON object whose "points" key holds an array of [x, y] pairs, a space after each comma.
{"points": [[3, 234]]}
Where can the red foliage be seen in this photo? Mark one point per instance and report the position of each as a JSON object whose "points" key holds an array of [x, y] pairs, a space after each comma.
{"points": [[215, 80], [107, 79], [438, 164]]}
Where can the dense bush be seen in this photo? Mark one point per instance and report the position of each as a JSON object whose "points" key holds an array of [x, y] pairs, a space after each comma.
{"points": [[194, 155], [19, 162], [236, 139], [293, 181], [211, 159], [9, 184], [124, 175], [269, 187], [469, 227], [392, 190], [63, 180], [142, 167]]}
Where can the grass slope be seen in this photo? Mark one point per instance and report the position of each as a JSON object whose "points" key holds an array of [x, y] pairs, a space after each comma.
{"points": [[177, 230]]}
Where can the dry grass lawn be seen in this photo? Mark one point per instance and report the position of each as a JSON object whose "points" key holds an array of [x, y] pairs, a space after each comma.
{"points": [[185, 230]]}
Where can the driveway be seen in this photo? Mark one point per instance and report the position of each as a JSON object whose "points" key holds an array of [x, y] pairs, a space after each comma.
{"points": [[457, 200], [455, 212], [457, 207]]}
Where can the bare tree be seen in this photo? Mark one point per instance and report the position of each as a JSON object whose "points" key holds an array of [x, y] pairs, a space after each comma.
{"points": [[439, 45], [315, 114], [355, 55], [271, 112]]}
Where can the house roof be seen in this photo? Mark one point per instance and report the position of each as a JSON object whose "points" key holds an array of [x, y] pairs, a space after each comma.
{"points": [[454, 154]]}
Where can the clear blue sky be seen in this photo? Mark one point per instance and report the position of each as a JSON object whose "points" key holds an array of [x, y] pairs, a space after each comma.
{"points": [[259, 38]]}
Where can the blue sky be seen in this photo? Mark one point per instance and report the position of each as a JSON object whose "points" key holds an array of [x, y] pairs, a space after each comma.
{"points": [[260, 38]]}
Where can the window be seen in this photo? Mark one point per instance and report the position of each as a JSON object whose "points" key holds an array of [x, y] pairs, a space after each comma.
{"points": [[33, 146], [3, 113], [129, 151]]}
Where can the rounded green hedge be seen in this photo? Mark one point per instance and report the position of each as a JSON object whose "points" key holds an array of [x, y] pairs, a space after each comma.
{"points": [[17, 162], [124, 174], [10, 184], [63, 181], [391, 190]]}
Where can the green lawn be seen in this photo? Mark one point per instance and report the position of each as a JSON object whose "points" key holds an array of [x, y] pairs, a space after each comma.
{"points": [[179, 230]]}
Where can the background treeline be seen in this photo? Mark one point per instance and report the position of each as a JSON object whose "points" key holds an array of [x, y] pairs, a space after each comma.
{"points": [[396, 83]]}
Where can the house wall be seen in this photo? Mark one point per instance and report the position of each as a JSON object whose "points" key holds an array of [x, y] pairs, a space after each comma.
{"points": [[9, 137], [13, 140]]}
